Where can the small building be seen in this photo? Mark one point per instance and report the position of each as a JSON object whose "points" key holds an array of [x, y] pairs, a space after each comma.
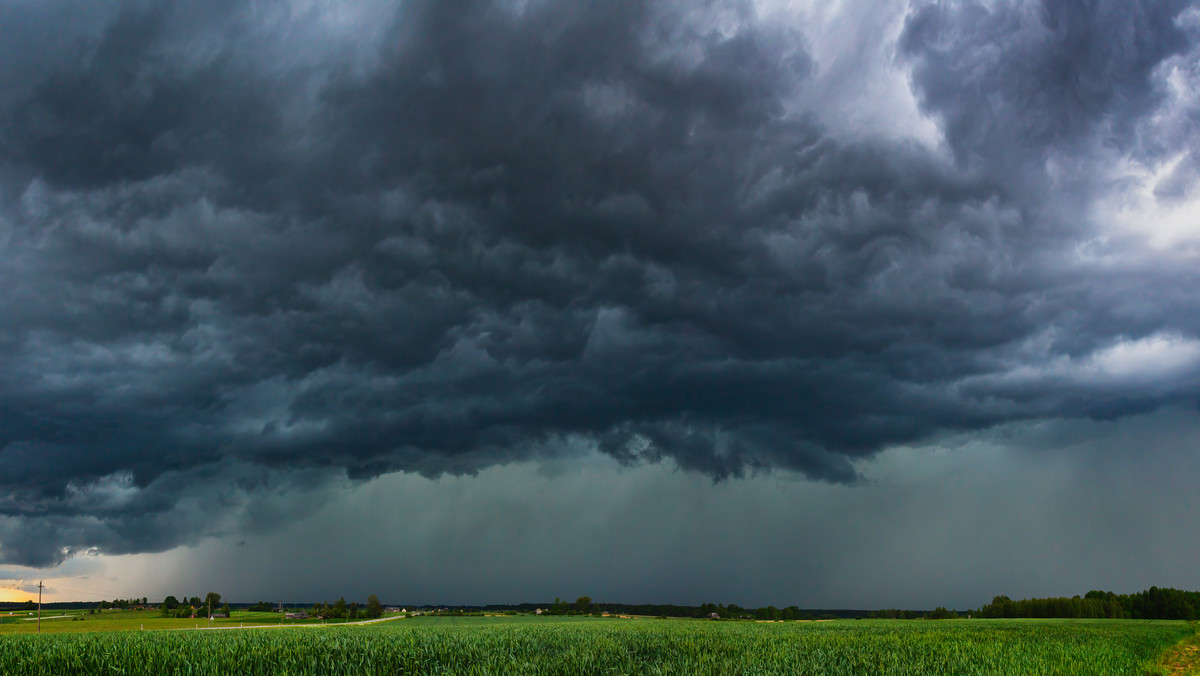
{"points": [[302, 615], [714, 616]]}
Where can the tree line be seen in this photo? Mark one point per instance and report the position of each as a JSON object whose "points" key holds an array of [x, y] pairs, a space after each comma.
{"points": [[341, 611], [194, 606], [1156, 603], [120, 604], [585, 606]]}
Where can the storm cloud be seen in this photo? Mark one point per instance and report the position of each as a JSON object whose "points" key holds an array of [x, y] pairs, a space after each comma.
{"points": [[250, 251]]}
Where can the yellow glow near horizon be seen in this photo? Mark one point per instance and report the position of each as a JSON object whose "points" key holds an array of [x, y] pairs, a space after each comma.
{"points": [[16, 596]]}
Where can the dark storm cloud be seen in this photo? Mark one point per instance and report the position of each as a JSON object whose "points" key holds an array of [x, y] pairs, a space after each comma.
{"points": [[245, 251], [1024, 78]]}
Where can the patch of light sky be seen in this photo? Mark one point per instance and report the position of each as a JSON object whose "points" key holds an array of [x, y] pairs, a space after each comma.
{"points": [[858, 87], [1143, 363], [1152, 209]]}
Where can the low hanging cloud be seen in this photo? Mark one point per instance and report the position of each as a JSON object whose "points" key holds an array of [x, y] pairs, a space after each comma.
{"points": [[252, 251]]}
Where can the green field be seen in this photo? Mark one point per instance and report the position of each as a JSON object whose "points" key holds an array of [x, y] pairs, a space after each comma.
{"points": [[127, 620], [527, 645]]}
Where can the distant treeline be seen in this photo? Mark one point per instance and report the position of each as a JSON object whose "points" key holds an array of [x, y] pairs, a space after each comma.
{"points": [[584, 605], [1153, 604], [121, 604], [62, 605]]}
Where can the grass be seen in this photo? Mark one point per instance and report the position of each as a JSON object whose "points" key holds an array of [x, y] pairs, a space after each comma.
{"points": [[497, 620], [129, 620], [1182, 659], [530, 645]]}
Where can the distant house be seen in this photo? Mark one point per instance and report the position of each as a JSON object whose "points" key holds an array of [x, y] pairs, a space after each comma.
{"points": [[537, 611], [392, 610], [714, 616], [302, 615], [604, 614]]}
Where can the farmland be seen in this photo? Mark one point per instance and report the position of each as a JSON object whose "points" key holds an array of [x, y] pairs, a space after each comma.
{"points": [[529, 645], [76, 621]]}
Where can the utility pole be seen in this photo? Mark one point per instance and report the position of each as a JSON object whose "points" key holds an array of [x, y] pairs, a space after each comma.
{"points": [[40, 606]]}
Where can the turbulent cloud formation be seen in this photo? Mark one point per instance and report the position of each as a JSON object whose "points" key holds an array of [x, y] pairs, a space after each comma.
{"points": [[250, 248]]}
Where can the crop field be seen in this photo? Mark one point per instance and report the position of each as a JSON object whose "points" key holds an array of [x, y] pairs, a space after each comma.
{"points": [[441, 645], [75, 621]]}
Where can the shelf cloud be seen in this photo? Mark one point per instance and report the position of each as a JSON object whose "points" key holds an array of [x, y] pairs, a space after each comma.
{"points": [[252, 251]]}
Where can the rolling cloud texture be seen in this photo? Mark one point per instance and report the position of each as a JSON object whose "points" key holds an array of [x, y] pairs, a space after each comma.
{"points": [[244, 248]]}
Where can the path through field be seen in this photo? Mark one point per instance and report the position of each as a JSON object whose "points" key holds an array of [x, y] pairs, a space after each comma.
{"points": [[1183, 659]]}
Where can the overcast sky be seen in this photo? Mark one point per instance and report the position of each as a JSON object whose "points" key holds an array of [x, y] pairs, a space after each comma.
{"points": [[856, 304]]}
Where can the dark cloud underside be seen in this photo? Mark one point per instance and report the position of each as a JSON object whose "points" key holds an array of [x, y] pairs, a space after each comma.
{"points": [[243, 250]]}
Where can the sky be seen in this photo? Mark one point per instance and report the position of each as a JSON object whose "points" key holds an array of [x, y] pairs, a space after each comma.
{"points": [[831, 304]]}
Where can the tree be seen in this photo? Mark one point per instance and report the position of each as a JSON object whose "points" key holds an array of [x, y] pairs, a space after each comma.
{"points": [[195, 602], [583, 603], [352, 613], [768, 613], [212, 600], [374, 608], [339, 607], [170, 603]]}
